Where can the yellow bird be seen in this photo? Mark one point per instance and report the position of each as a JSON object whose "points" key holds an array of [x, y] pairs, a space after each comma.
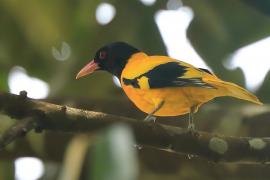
{"points": [[160, 85]]}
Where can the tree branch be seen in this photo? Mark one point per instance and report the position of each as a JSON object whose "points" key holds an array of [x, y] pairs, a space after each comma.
{"points": [[19, 129], [213, 147]]}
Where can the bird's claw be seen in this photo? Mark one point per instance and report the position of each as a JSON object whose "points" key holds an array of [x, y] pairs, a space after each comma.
{"points": [[192, 131], [150, 119], [191, 127]]}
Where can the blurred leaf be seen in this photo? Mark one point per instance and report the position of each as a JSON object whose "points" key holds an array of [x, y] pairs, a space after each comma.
{"points": [[74, 158], [5, 122], [37, 142], [3, 80], [114, 156], [7, 170]]}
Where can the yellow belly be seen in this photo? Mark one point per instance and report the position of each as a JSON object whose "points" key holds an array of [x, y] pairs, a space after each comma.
{"points": [[177, 101]]}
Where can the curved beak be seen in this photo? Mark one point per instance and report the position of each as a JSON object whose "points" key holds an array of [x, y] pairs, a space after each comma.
{"points": [[88, 69]]}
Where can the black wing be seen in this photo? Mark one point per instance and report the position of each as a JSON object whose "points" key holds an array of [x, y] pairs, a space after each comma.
{"points": [[170, 74], [206, 70]]}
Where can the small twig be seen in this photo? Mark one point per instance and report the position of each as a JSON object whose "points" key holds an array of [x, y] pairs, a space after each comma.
{"points": [[19, 129]]}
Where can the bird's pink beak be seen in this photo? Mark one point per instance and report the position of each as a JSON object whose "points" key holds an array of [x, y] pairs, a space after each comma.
{"points": [[88, 69]]}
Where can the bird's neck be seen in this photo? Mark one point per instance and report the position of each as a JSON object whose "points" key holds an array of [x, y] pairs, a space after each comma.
{"points": [[118, 71], [138, 56], [134, 57]]}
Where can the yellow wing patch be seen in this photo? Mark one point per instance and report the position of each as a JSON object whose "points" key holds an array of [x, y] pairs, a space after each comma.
{"points": [[143, 83]]}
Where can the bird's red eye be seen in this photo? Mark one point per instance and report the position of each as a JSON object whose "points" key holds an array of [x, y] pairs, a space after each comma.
{"points": [[102, 55]]}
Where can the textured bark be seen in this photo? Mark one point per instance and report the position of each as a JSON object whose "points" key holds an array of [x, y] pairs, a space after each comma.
{"points": [[213, 147]]}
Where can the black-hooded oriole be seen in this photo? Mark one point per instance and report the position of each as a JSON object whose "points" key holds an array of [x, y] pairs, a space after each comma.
{"points": [[160, 85]]}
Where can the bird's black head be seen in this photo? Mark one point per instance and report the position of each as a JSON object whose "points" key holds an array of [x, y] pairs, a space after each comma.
{"points": [[112, 58]]}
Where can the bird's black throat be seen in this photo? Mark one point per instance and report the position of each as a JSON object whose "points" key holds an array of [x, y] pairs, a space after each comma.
{"points": [[119, 54]]}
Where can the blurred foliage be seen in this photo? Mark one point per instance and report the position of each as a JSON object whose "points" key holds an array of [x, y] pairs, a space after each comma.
{"points": [[114, 153], [32, 33], [6, 170], [261, 5], [75, 156], [221, 27]]}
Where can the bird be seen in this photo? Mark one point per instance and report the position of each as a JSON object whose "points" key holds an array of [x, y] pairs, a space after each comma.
{"points": [[160, 85]]}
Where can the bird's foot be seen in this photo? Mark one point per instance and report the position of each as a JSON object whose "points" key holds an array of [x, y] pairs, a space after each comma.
{"points": [[192, 131], [150, 119], [191, 127]]}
